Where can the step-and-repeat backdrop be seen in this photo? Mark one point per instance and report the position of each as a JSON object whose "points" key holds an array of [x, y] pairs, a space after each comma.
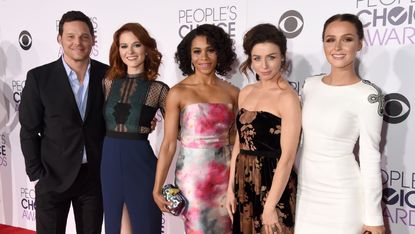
{"points": [[28, 31]]}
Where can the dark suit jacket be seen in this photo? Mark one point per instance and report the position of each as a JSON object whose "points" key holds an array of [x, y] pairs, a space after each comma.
{"points": [[53, 134]]}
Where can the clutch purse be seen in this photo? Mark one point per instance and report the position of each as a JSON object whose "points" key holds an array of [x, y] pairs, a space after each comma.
{"points": [[178, 202]]}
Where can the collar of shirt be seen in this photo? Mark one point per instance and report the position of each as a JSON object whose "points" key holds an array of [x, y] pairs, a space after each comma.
{"points": [[80, 91], [72, 75]]}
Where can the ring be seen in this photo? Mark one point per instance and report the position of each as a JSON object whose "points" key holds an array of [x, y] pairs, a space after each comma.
{"points": [[274, 228]]}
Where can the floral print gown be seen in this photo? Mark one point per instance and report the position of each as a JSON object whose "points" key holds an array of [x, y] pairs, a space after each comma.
{"points": [[202, 169], [259, 136]]}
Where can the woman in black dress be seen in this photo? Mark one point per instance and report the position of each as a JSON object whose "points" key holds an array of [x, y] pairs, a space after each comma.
{"points": [[262, 186]]}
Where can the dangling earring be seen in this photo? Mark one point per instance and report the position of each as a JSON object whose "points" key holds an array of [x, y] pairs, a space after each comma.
{"points": [[257, 77], [192, 66]]}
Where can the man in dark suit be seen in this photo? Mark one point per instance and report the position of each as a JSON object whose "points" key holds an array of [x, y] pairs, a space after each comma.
{"points": [[62, 130]]}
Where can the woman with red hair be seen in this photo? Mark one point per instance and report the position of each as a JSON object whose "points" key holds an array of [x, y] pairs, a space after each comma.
{"points": [[132, 97]]}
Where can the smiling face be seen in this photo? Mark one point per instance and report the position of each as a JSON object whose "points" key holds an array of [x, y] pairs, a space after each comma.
{"points": [[132, 52], [204, 57], [76, 41], [341, 44], [266, 60]]}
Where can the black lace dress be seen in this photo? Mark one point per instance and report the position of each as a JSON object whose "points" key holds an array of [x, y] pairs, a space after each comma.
{"points": [[259, 136]]}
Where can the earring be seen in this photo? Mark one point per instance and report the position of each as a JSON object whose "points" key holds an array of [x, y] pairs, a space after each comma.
{"points": [[192, 66], [256, 76]]}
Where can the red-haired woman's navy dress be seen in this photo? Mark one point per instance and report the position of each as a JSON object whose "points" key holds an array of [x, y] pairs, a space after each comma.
{"points": [[128, 163]]}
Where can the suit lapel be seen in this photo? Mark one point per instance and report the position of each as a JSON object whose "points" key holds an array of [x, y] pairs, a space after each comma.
{"points": [[92, 86], [66, 89]]}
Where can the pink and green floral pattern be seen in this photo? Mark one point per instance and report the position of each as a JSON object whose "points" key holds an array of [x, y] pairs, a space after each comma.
{"points": [[202, 169]]}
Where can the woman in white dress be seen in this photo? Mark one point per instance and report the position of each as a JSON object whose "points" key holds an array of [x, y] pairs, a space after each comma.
{"points": [[335, 193]]}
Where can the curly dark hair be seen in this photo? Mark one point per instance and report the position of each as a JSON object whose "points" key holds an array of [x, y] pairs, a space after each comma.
{"points": [[153, 56], [217, 38], [259, 34]]}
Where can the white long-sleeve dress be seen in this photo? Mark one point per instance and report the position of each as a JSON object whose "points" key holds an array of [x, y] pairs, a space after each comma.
{"points": [[335, 194]]}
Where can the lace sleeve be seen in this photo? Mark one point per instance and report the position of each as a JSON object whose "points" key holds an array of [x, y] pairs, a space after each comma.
{"points": [[157, 96], [106, 86], [162, 98]]}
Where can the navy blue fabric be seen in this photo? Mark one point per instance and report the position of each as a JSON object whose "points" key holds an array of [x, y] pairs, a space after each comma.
{"points": [[127, 175]]}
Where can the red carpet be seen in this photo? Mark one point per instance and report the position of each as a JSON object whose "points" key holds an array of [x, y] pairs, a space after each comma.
{"points": [[4, 229]]}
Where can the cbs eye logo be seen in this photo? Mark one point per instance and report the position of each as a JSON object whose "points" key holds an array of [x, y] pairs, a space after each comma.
{"points": [[397, 108], [25, 40], [291, 23]]}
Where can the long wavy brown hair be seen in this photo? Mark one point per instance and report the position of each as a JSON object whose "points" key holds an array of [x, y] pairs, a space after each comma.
{"points": [[153, 57]]}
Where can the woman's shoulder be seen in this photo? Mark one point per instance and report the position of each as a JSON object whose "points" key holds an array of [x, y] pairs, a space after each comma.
{"points": [[180, 90], [229, 87], [370, 87], [366, 90], [177, 88], [248, 88], [181, 86], [227, 84], [371, 93], [288, 94], [314, 78], [312, 82], [368, 95]]}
